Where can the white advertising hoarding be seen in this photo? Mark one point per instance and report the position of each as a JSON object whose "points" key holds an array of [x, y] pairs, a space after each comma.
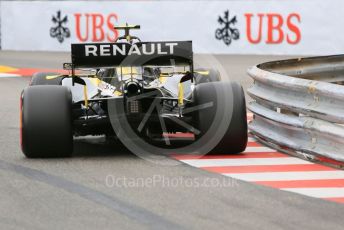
{"points": [[300, 27]]}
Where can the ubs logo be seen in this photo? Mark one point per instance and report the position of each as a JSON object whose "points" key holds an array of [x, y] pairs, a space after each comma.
{"points": [[227, 32], [59, 30]]}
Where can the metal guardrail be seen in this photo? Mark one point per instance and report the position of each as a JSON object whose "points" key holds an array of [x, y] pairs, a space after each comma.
{"points": [[299, 106]]}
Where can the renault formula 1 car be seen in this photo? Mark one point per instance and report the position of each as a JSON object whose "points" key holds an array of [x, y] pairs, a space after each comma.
{"points": [[149, 88]]}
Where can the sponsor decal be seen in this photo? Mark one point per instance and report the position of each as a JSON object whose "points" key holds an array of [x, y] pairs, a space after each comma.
{"points": [[95, 27], [124, 49], [268, 28], [227, 32], [59, 31], [137, 54], [278, 29]]}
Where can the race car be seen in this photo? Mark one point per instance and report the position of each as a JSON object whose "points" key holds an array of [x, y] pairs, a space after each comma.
{"points": [[148, 88]]}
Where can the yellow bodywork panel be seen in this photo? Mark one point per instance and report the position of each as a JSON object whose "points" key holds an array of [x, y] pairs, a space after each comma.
{"points": [[118, 93], [180, 94], [202, 72], [85, 96], [50, 77], [162, 79], [95, 81]]}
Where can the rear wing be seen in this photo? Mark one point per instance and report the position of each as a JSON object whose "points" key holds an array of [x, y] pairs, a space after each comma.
{"points": [[94, 55]]}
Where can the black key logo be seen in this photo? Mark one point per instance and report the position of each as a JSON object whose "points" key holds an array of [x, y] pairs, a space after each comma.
{"points": [[227, 32], [60, 31]]}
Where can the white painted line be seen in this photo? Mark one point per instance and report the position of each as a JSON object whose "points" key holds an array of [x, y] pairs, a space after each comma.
{"points": [[319, 192], [288, 176], [245, 162], [259, 150], [6, 75]]}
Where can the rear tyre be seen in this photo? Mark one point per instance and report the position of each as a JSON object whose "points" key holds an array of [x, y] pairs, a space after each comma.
{"points": [[235, 138], [205, 75], [46, 122], [40, 78]]}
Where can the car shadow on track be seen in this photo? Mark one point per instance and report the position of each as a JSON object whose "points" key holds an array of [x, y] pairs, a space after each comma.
{"points": [[100, 147], [104, 147]]}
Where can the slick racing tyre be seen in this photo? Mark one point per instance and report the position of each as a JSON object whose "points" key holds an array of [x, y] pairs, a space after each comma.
{"points": [[206, 75], [234, 139], [46, 121], [40, 78]]}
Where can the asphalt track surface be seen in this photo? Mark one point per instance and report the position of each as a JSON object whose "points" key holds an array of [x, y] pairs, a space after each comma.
{"points": [[74, 193]]}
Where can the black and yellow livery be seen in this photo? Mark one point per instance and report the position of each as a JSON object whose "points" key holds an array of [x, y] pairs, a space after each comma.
{"points": [[154, 83]]}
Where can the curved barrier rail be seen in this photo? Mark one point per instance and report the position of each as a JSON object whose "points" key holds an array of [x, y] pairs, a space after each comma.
{"points": [[299, 106]]}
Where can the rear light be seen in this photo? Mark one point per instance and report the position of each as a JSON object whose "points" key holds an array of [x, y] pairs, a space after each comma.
{"points": [[134, 106]]}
